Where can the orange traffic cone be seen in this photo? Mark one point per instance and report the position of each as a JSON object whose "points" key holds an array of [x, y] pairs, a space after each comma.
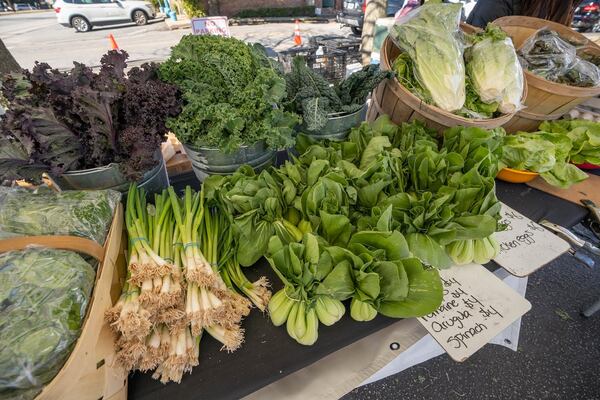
{"points": [[297, 37], [113, 42]]}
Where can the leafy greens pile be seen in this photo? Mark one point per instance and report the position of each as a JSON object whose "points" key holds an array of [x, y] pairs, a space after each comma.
{"points": [[554, 149], [85, 214], [485, 81], [585, 136], [62, 121], [366, 219], [231, 91], [311, 96], [44, 295]]}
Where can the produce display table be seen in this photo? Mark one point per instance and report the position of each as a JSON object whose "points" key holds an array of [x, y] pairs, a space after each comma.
{"points": [[269, 354]]}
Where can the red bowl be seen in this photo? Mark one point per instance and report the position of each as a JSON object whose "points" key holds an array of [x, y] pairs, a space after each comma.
{"points": [[587, 166]]}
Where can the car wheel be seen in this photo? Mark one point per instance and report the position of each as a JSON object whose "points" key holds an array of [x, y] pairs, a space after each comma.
{"points": [[80, 24], [356, 31], [140, 17]]}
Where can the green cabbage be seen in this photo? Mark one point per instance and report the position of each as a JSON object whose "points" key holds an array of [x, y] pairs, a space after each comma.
{"points": [[428, 37], [494, 70]]}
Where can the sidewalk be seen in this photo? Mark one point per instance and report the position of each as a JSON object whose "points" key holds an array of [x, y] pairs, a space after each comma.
{"points": [[186, 23]]}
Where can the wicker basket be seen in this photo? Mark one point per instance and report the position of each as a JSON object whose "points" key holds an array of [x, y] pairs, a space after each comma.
{"points": [[393, 99], [545, 100]]}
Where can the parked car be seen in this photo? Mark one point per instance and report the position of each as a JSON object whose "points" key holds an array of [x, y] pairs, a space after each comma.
{"points": [[587, 17], [353, 13], [24, 6], [82, 15]]}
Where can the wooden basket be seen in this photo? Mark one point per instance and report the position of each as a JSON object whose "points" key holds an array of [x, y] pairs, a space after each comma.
{"points": [[545, 100], [90, 371], [393, 99]]}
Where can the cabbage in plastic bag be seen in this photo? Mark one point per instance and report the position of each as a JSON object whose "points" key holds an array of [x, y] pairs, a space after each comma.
{"points": [[44, 294], [82, 213], [429, 35], [495, 71], [547, 55]]}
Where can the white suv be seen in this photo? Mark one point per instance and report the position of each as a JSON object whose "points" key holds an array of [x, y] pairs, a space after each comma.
{"points": [[83, 14]]}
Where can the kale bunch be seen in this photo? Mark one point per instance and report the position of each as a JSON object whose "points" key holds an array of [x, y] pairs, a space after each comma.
{"points": [[61, 121], [311, 96], [231, 91]]}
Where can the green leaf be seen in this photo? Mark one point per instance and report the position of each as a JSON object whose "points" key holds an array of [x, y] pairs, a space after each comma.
{"points": [[336, 229], [338, 284], [393, 243], [373, 150], [427, 250], [393, 280], [425, 293], [368, 283], [254, 241]]}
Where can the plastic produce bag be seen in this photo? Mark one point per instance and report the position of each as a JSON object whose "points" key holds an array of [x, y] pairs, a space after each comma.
{"points": [[85, 214], [547, 55], [44, 294], [494, 69], [428, 35]]}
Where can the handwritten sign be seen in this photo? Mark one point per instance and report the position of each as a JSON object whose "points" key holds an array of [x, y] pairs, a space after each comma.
{"points": [[218, 26], [476, 307], [526, 246]]}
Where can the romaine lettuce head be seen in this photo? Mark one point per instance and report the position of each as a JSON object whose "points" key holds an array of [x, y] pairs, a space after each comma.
{"points": [[495, 71], [428, 36]]}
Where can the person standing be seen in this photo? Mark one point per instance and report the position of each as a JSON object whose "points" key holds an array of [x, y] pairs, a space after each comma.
{"points": [[560, 11]]}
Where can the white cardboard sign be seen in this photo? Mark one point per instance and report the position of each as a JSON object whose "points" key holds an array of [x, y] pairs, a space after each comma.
{"points": [[525, 246], [218, 26], [476, 307]]}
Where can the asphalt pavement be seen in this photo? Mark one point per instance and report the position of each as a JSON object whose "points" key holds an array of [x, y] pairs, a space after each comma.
{"points": [[37, 36]]}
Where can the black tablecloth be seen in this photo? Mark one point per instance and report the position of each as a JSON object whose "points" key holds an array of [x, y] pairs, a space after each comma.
{"points": [[269, 353]]}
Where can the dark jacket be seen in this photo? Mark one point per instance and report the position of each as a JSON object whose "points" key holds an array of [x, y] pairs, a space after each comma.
{"points": [[488, 10]]}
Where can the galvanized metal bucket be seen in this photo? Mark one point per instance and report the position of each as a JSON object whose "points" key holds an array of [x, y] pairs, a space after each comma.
{"points": [[209, 161], [338, 125], [110, 177]]}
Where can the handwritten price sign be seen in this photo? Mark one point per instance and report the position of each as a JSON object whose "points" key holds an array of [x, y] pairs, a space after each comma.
{"points": [[526, 246], [476, 307]]}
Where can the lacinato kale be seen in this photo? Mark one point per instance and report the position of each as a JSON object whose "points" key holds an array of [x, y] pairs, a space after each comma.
{"points": [[63, 121], [311, 96]]}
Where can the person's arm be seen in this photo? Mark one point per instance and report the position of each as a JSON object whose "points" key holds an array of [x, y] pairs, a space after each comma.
{"points": [[488, 10]]}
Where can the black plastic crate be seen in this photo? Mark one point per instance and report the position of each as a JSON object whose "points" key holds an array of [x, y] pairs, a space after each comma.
{"points": [[331, 64], [351, 45], [285, 57]]}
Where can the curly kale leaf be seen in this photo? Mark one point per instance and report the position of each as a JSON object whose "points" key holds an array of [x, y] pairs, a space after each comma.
{"points": [[230, 91]]}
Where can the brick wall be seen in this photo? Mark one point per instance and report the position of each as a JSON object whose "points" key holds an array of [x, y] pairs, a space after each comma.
{"points": [[231, 7]]}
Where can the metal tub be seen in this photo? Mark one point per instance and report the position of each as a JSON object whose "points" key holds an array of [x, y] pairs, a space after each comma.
{"points": [[209, 161], [338, 125], [110, 177]]}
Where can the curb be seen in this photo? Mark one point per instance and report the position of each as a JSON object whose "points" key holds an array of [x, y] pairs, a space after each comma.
{"points": [[179, 24], [279, 20], [9, 13]]}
